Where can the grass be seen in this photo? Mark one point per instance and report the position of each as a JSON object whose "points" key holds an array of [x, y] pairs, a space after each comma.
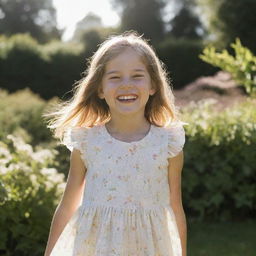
{"points": [[222, 239]]}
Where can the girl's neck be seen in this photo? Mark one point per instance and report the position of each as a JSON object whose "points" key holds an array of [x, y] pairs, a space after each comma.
{"points": [[129, 126]]}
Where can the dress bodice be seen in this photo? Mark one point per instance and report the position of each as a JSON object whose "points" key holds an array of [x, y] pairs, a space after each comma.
{"points": [[126, 174]]}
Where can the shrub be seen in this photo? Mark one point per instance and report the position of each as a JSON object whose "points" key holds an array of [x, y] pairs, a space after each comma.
{"points": [[219, 171], [242, 66], [181, 58], [29, 193], [19, 42], [21, 115], [49, 70]]}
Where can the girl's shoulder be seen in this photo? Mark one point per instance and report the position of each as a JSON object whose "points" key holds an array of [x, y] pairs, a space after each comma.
{"points": [[174, 128], [75, 136], [175, 134]]}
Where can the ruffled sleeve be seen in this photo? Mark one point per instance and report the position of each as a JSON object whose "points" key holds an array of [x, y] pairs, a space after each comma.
{"points": [[75, 137], [176, 139]]}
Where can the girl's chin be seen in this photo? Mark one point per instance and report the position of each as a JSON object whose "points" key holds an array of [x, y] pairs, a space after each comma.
{"points": [[128, 112]]}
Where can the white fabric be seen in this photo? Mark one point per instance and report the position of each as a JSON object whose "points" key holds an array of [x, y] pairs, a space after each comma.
{"points": [[126, 204]]}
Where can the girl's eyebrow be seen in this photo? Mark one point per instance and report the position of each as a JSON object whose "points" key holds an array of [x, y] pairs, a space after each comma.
{"points": [[111, 72], [139, 70], [116, 71]]}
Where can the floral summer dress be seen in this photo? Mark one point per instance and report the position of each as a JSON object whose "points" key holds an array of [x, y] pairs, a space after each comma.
{"points": [[125, 210]]}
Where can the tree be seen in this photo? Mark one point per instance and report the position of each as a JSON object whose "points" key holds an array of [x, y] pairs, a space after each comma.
{"points": [[239, 20], [186, 25], [185, 22], [89, 22], [230, 19], [143, 16], [91, 39], [38, 18]]}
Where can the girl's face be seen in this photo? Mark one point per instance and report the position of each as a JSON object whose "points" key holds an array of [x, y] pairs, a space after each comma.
{"points": [[126, 84]]}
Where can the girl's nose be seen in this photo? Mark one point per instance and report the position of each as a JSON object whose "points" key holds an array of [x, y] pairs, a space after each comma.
{"points": [[126, 82]]}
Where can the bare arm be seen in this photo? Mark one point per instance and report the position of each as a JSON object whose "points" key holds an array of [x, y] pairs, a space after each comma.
{"points": [[175, 169], [70, 199]]}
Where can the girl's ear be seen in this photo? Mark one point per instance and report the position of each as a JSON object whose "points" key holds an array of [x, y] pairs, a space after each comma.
{"points": [[152, 90], [100, 93]]}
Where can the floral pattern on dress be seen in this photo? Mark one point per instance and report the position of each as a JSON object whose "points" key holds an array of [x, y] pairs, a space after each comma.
{"points": [[125, 209]]}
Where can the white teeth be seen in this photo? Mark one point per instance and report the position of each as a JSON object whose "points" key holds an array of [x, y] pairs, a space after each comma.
{"points": [[127, 97]]}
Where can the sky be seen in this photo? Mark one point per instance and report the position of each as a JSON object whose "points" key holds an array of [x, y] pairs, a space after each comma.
{"points": [[70, 12]]}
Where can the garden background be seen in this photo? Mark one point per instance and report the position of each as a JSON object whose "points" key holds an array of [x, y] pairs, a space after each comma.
{"points": [[209, 50]]}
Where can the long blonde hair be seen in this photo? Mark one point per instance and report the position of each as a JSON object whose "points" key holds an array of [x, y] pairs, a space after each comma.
{"points": [[85, 108]]}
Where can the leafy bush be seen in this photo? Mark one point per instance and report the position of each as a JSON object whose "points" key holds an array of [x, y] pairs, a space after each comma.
{"points": [[22, 42], [29, 193], [20, 113], [49, 70], [220, 159], [242, 66], [181, 59]]}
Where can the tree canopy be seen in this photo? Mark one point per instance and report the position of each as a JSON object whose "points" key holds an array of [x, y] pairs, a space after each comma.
{"points": [[144, 16], [230, 19], [239, 20], [186, 24], [37, 18], [89, 22]]}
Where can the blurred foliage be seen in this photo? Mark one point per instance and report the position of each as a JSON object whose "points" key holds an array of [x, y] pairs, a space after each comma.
{"points": [[49, 70], [57, 66], [143, 16], [92, 38], [38, 18], [181, 59], [21, 116], [226, 20], [30, 190], [242, 66], [90, 22], [186, 23], [220, 159], [238, 20]]}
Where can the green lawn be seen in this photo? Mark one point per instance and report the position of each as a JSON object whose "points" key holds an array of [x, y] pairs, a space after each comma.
{"points": [[222, 239]]}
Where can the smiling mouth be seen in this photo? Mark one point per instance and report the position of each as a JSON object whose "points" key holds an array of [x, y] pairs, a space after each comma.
{"points": [[127, 98]]}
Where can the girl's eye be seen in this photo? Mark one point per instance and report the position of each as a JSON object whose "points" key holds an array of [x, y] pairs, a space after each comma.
{"points": [[114, 77], [138, 76]]}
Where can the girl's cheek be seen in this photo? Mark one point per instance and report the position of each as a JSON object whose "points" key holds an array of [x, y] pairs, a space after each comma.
{"points": [[140, 83], [112, 83], [110, 88]]}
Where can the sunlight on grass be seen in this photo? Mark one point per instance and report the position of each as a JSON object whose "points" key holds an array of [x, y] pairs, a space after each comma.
{"points": [[227, 238]]}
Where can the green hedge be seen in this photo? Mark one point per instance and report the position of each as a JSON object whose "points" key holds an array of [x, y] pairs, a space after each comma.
{"points": [[30, 190], [220, 158], [49, 70], [182, 61], [21, 115]]}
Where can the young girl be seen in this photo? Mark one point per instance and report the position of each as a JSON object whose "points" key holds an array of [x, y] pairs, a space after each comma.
{"points": [[123, 192]]}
